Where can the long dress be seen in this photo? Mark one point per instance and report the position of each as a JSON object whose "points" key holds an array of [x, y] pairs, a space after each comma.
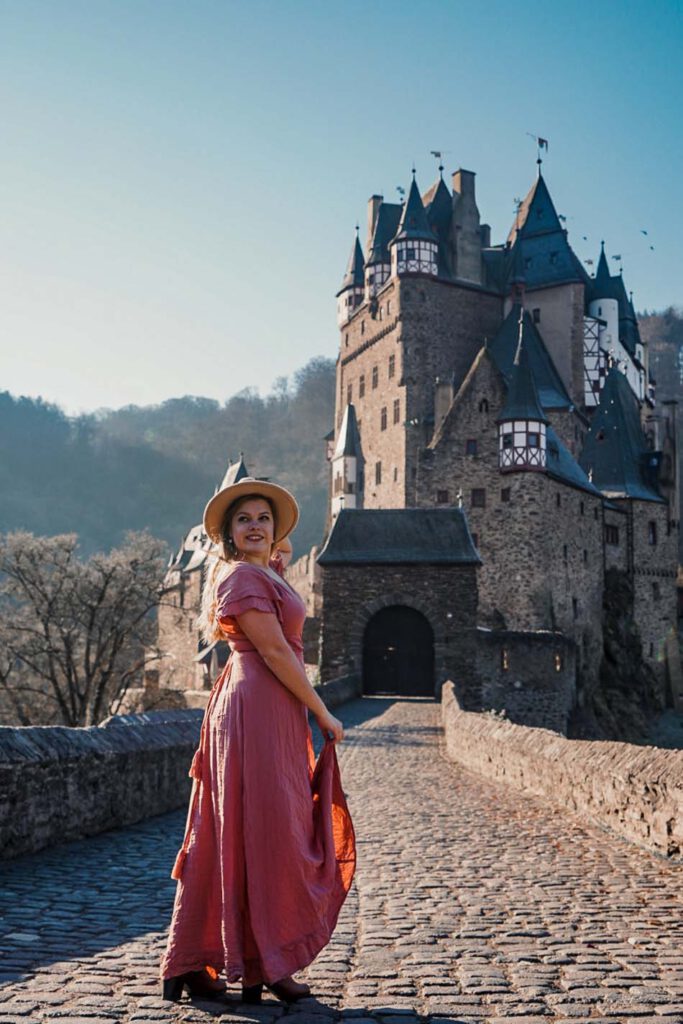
{"points": [[269, 851]]}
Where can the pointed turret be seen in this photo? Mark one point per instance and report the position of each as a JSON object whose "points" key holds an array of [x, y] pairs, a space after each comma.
{"points": [[347, 465], [414, 248], [522, 423], [378, 263], [545, 254], [350, 295], [234, 472], [439, 209], [602, 284], [551, 390]]}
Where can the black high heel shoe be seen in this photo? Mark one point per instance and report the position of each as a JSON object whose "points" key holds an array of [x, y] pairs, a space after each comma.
{"points": [[252, 993], [288, 990], [198, 983]]}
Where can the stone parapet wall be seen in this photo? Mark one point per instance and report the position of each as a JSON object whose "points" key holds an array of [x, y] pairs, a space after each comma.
{"points": [[59, 784], [636, 792]]}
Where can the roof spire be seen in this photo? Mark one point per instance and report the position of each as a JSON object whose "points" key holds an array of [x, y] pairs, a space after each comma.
{"points": [[355, 268], [414, 223]]}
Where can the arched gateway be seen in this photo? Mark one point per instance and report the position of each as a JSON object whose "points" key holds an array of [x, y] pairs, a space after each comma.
{"points": [[398, 653]]}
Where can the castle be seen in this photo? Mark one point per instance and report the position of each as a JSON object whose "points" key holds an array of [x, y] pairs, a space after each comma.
{"points": [[497, 450]]}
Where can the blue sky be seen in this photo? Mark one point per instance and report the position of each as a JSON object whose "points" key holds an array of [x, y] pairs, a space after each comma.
{"points": [[180, 180]]}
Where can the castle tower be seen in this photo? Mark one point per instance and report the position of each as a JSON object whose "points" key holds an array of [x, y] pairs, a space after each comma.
{"points": [[351, 293], [522, 423], [414, 249], [347, 466]]}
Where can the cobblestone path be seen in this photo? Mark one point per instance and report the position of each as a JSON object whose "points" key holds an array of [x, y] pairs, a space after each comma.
{"points": [[470, 904]]}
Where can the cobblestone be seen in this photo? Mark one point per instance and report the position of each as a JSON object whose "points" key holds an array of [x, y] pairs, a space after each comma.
{"points": [[471, 904]]}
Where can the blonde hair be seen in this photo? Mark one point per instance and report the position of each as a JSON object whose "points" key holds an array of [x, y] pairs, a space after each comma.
{"points": [[224, 554]]}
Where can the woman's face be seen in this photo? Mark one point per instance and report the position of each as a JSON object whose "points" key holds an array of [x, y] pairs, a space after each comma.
{"points": [[252, 528]]}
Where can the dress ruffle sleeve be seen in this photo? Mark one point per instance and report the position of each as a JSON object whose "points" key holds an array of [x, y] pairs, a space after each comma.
{"points": [[246, 587]]}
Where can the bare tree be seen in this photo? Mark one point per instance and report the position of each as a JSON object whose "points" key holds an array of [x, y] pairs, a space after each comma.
{"points": [[73, 631]]}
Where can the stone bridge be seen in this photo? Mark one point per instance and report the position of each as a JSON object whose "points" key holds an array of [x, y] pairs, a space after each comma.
{"points": [[473, 902]]}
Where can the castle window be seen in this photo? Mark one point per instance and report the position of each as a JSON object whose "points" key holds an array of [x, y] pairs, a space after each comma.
{"points": [[585, 555], [378, 472], [442, 497], [557, 659], [397, 410], [471, 446], [395, 473], [484, 405], [388, 306], [536, 313], [383, 418], [533, 439], [505, 659], [181, 596], [381, 312], [361, 385], [582, 508], [375, 377], [349, 394], [565, 552], [595, 512], [575, 607], [652, 532], [505, 494], [392, 366], [346, 339], [611, 534], [507, 440], [475, 539], [478, 497], [362, 327], [558, 499], [655, 591]]}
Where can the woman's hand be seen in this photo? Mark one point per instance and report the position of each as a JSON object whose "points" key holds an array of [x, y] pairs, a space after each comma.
{"points": [[327, 724]]}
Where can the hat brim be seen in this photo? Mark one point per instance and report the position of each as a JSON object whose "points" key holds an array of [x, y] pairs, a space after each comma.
{"points": [[285, 504]]}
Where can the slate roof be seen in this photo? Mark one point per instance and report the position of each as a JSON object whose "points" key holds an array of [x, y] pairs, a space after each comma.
{"points": [[615, 450], [234, 472], [399, 536], [439, 209], [354, 276], [386, 226], [552, 393], [414, 223], [522, 401], [547, 257], [561, 464], [348, 441]]}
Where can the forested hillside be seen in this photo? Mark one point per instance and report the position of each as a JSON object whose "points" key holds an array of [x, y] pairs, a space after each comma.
{"points": [[155, 467]]}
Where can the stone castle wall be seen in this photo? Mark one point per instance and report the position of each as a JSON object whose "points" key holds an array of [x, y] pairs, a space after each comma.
{"points": [[636, 792], [445, 594]]}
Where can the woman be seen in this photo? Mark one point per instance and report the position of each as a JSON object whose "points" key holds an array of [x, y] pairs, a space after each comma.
{"points": [[269, 851]]}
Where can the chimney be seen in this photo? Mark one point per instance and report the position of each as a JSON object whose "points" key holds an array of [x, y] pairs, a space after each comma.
{"points": [[374, 203], [463, 183]]}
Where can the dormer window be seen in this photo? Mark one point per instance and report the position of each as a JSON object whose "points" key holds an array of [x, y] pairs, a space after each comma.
{"points": [[533, 439]]}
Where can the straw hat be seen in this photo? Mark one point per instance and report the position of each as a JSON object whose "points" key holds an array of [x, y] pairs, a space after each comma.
{"points": [[286, 508]]}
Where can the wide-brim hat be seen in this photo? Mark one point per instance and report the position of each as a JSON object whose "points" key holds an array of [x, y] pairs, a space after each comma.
{"points": [[284, 503]]}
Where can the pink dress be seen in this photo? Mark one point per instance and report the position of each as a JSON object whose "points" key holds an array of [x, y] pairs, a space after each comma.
{"points": [[269, 851]]}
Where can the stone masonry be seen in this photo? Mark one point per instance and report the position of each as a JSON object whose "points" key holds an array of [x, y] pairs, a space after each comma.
{"points": [[472, 903]]}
